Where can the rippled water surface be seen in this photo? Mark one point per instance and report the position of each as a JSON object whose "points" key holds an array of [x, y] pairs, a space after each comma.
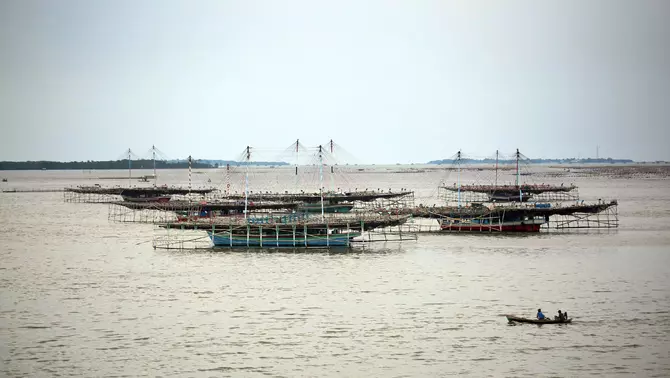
{"points": [[80, 296]]}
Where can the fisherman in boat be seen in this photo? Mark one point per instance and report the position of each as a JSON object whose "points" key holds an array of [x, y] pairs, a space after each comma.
{"points": [[560, 316], [540, 315]]}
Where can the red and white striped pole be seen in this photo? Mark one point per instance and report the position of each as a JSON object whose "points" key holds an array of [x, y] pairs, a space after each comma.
{"points": [[189, 174]]}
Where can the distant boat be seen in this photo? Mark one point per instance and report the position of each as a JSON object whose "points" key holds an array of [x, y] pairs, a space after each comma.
{"points": [[516, 319], [4, 180]]}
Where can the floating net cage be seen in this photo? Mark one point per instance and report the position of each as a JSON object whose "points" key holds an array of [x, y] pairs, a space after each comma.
{"points": [[602, 215], [273, 231], [153, 212], [489, 194], [101, 194], [90, 196], [605, 219], [501, 182], [111, 195], [499, 178], [120, 212]]}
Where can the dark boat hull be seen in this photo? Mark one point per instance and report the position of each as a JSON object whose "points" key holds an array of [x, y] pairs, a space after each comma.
{"points": [[152, 199], [493, 227], [225, 239], [515, 319]]}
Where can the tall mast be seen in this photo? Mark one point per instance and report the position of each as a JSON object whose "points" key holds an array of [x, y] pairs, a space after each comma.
{"points": [[517, 167], [458, 162], [332, 168], [297, 148], [129, 169], [246, 182], [496, 168], [518, 177], [321, 181], [153, 151]]}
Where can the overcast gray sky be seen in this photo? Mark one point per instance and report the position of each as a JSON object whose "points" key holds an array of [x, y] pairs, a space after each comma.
{"points": [[390, 81]]}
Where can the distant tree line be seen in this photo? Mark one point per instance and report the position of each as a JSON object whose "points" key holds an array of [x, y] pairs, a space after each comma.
{"points": [[119, 164], [109, 164], [534, 161]]}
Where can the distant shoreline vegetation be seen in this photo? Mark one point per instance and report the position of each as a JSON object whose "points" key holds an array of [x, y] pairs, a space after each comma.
{"points": [[535, 161], [123, 164]]}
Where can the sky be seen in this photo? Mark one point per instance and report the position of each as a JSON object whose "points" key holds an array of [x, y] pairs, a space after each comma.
{"points": [[388, 81]]}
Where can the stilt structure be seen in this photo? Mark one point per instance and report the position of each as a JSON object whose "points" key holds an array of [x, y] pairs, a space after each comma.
{"points": [[517, 207], [97, 194], [282, 230], [269, 219]]}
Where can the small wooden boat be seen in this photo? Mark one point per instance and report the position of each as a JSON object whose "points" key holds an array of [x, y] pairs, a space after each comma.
{"points": [[516, 319]]}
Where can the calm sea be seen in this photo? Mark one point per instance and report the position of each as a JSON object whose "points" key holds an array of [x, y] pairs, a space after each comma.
{"points": [[80, 296]]}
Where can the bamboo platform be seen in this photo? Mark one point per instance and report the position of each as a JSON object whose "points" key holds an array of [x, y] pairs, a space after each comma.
{"points": [[512, 189], [362, 196], [154, 190]]}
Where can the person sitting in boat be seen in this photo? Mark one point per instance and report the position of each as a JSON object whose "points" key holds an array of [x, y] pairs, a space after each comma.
{"points": [[560, 316], [540, 315], [565, 316]]}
